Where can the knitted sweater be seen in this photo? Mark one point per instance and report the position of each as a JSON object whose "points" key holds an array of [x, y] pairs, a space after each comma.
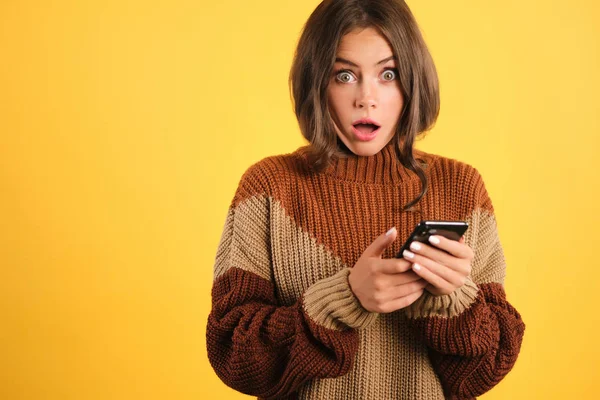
{"points": [[284, 322]]}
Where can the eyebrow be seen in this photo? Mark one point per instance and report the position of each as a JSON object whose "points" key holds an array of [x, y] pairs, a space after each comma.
{"points": [[344, 61]]}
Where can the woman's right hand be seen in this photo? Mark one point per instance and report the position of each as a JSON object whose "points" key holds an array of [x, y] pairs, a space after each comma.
{"points": [[384, 285]]}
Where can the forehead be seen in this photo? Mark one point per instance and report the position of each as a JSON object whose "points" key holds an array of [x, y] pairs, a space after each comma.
{"points": [[364, 45]]}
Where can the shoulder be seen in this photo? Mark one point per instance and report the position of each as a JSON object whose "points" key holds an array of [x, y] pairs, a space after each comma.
{"points": [[268, 175], [270, 170], [452, 175], [447, 167]]}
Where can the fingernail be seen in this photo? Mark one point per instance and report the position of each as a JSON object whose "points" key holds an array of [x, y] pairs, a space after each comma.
{"points": [[434, 240], [415, 246], [408, 254], [416, 267], [392, 230]]}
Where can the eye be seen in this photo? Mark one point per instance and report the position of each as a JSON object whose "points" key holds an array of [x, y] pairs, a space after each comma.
{"points": [[344, 77], [389, 75]]}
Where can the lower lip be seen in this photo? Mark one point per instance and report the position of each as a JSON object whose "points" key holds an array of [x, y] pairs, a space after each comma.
{"points": [[365, 137]]}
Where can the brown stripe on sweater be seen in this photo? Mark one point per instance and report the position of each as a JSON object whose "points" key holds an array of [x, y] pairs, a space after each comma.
{"points": [[259, 348], [473, 351]]}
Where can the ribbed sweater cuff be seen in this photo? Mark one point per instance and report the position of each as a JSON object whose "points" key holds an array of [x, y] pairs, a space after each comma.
{"points": [[331, 303], [446, 306]]}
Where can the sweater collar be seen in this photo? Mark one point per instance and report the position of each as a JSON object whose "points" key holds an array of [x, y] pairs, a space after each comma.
{"points": [[384, 167]]}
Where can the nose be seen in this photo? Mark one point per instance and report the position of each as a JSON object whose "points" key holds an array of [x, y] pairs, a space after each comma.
{"points": [[366, 97]]}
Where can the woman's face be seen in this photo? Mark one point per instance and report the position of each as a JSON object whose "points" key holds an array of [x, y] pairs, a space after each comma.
{"points": [[365, 85]]}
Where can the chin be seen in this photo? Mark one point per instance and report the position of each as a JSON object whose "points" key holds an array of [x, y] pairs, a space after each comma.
{"points": [[362, 150], [366, 149]]}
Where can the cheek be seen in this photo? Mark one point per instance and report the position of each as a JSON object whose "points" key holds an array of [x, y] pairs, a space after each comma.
{"points": [[393, 100], [338, 100]]}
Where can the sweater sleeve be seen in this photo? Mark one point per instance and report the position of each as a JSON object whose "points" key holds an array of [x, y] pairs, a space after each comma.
{"points": [[256, 345], [474, 334]]}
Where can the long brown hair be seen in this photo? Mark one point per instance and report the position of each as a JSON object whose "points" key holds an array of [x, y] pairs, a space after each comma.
{"points": [[313, 63]]}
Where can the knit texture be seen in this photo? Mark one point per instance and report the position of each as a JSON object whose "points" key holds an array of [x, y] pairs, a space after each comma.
{"points": [[284, 322]]}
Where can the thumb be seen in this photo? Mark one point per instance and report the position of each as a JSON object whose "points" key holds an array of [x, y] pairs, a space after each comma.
{"points": [[379, 245]]}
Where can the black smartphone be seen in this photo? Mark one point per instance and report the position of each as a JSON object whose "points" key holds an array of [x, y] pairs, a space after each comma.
{"points": [[449, 229]]}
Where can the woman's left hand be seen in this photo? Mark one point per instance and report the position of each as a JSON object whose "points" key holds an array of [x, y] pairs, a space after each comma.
{"points": [[445, 272]]}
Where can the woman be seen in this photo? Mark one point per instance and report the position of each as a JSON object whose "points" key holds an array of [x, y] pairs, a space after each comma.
{"points": [[308, 299]]}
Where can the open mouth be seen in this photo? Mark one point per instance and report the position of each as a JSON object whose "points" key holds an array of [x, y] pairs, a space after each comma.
{"points": [[366, 129]]}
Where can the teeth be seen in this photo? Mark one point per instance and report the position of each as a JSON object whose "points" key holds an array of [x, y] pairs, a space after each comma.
{"points": [[362, 123]]}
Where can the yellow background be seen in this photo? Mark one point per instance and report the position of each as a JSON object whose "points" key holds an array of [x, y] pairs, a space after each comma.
{"points": [[126, 125]]}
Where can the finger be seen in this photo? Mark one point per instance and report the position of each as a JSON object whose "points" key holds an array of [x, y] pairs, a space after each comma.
{"points": [[402, 302], [388, 282], [456, 248], [407, 288], [404, 277], [456, 278], [392, 293], [393, 265], [430, 252], [379, 245], [437, 255], [433, 278]]}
